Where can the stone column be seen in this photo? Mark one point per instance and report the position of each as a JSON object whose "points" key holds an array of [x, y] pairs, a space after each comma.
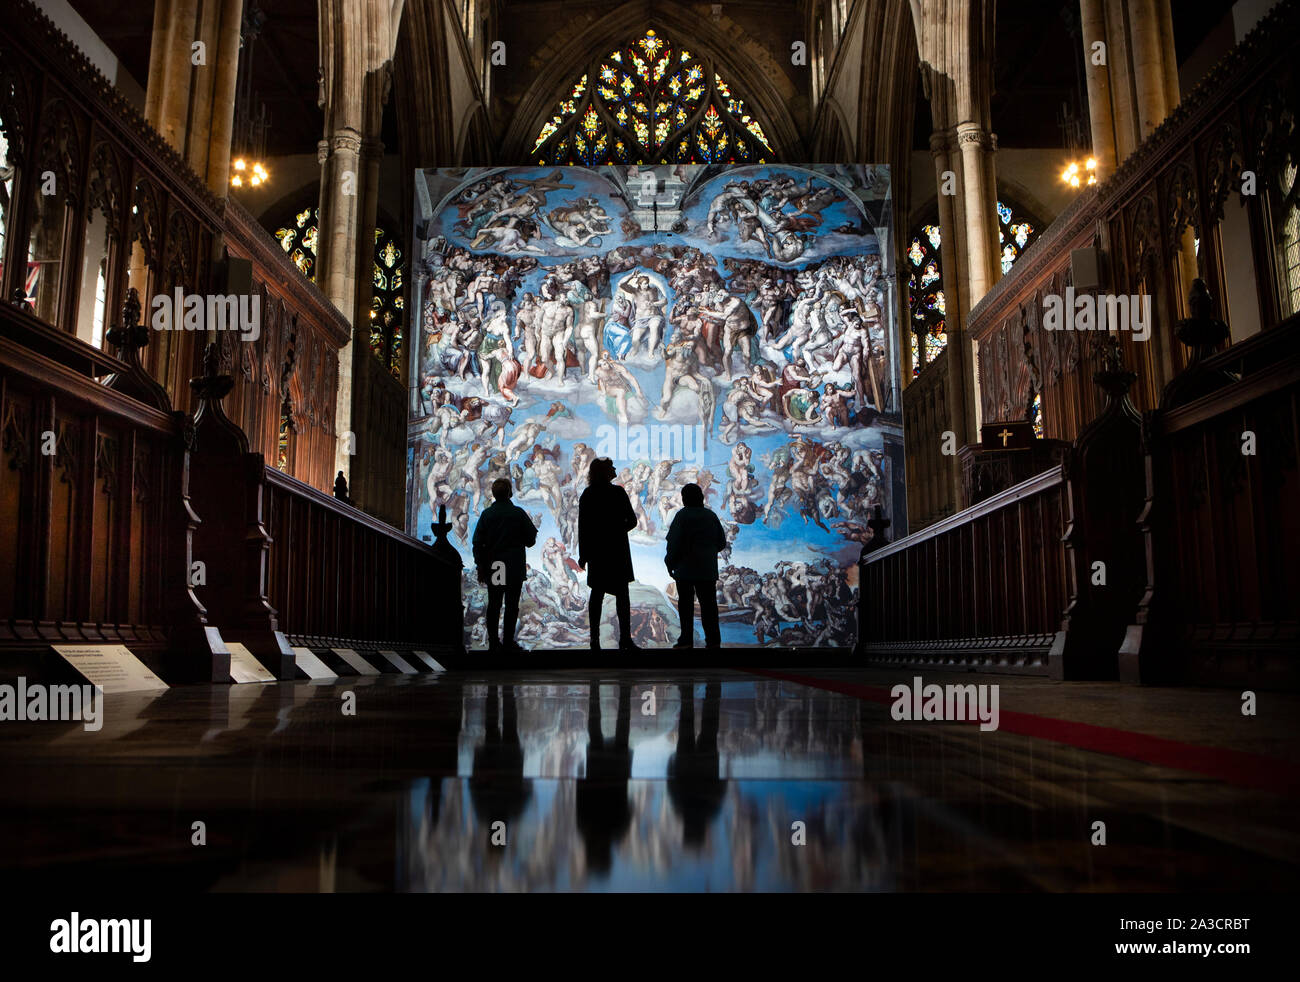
{"points": [[951, 253], [171, 73], [1173, 86], [223, 98], [357, 40], [365, 370], [1102, 124], [1123, 94], [983, 266], [336, 268], [192, 105], [1149, 77]]}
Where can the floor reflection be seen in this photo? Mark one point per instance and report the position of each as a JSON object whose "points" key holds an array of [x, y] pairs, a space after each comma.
{"points": [[724, 782], [546, 812]]}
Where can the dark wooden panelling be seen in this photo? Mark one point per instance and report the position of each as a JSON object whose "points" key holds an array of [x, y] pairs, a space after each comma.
{"points": [[163, 215], [1221, 526], [1002, 617]]}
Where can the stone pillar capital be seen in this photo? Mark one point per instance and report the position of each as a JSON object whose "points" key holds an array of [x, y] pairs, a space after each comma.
{"points": [[974, 134], [346, 139], [322, 151]]}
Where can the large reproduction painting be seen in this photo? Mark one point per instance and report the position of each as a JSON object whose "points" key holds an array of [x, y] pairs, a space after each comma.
{"points": [[728, 326]]}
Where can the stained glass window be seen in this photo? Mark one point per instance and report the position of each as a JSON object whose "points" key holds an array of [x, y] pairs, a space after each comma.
{"points": [[1288, 243], [1036, 414], [282, 448], [1016, 232], [925, 288], [651, 102], [298, 239]]}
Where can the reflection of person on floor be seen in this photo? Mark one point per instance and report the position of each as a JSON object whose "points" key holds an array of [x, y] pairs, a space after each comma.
{"points": [[497, 787], [605, 517], [604, 813], [504, 531], [694, 787], [444, 746], [694, 540]]}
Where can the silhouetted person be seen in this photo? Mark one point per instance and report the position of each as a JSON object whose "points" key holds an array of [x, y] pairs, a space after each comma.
{"points": [[695, 538], [694, 787], [604, 813], [497, 787], [443, 743], [504, 531], [605, 517]]}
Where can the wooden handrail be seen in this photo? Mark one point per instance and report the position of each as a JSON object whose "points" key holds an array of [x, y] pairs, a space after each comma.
{"points": [[79, 388], [347, 512], [1035, 485]]}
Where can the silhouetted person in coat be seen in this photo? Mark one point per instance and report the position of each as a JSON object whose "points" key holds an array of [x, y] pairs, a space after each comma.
{"points": [[604, 812], [695, 538], [503, 532], [605, 517], [694, 786], [497, 786]]}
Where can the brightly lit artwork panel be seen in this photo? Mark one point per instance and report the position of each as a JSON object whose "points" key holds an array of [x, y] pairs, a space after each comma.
{"points": [[732, 328]]}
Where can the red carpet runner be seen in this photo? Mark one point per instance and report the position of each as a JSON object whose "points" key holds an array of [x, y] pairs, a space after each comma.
{"points": [[1231, 766]]}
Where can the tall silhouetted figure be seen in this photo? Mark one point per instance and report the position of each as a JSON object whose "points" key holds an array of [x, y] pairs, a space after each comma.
{"points": [[605, 517], [604, 812], [695, 538], [504, 531], [497, 787], [694, 785]]}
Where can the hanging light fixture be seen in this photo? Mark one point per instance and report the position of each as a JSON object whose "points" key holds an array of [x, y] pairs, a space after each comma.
{"points": [[251, 126], [1078, 175]]}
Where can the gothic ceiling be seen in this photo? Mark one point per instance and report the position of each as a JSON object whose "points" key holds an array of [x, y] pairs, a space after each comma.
{"points": [[1035, 75]]}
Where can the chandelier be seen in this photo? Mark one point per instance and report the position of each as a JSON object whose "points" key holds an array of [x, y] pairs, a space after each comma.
{"points": [[247, 169], [253, 174], [1078, 175]]}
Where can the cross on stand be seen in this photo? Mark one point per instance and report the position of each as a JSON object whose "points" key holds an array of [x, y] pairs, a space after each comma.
{"points": [[1006, 435], [878, 523]]}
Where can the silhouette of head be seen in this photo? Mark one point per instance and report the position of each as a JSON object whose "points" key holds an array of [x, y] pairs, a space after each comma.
{"points": [[501, 489], [601, 471], [692, 496]]}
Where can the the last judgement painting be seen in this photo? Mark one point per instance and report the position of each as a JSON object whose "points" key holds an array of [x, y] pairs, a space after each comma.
{"points": [[731, 327]]}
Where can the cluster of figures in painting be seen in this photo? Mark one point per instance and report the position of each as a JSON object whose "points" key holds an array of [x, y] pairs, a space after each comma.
{"points": [[773, 381]]}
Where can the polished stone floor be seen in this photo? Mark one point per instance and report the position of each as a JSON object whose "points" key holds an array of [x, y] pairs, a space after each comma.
{"points": [[645, 781]]}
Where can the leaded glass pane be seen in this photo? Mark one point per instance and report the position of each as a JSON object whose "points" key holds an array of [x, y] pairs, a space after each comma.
{"points": [[667, 105]]}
